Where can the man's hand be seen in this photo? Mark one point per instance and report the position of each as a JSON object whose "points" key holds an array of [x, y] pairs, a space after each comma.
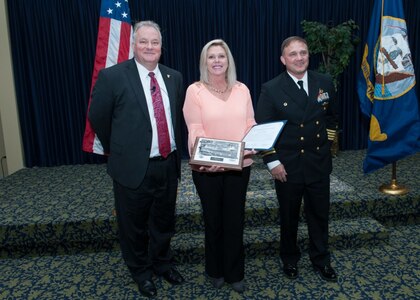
{"points": [[279, 173]]}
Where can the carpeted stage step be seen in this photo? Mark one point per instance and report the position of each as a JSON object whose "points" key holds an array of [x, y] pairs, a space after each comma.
{"points": [[262, 209], [68, 208], [189, 247], [261, 212], [264, 240]]}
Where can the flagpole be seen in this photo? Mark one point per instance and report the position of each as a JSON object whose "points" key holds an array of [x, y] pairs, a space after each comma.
{"points": [[380, 47], [393, 188]]}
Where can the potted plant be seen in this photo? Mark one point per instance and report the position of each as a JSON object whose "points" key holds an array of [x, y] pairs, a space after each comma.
{"points": [[335, 44]]}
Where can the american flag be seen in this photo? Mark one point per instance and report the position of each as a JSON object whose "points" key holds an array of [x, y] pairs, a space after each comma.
{"points": [[113, 46]]}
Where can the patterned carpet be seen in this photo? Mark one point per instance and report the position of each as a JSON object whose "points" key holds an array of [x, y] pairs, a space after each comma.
{"points": [[58, 237], [389, 271]]}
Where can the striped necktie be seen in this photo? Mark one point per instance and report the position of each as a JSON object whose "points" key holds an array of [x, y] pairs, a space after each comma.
{"points": [[159, 111]]}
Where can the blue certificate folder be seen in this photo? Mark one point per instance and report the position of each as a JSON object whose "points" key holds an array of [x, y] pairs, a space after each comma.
{"points": [[263, 136]]}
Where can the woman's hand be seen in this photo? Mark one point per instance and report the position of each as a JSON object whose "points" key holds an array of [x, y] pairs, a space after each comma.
{"points": [[249, 153], [212, 169]]}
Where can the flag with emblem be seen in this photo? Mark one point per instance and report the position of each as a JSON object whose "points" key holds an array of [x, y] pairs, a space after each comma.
{"points": [[113, 46], [386, 88]]}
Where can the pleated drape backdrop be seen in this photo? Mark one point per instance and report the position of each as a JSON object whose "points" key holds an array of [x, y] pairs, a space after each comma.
{"points": [[53, 50]]}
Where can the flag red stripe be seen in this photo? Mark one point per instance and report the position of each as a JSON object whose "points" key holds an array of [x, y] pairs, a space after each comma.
{"points": [[100, 60], [125, 39], [101, 47], [113, 46]]}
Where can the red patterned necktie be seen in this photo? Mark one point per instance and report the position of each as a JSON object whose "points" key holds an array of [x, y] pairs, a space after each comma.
{"points": [[159, 111]]}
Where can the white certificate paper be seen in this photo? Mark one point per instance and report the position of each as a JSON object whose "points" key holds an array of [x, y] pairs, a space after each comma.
{"points": [[263, 136]]}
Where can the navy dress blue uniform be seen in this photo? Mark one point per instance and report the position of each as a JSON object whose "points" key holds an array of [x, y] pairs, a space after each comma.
{"points": [[304, 150]]}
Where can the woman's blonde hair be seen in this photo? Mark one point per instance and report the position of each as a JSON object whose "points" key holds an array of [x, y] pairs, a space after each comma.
{"points": [[231, 70]]}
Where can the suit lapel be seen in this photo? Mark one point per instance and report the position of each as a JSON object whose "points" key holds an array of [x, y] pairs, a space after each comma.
{"points": [[169, 80], [292, 90], [135, 82], [313, 84]]}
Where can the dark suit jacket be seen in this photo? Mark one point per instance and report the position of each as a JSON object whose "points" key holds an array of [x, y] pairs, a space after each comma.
{"points": [[303, 146], [119, 116]]}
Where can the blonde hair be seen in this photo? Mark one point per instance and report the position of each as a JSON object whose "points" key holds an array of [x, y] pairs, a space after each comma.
{"points": [[231, 70]]}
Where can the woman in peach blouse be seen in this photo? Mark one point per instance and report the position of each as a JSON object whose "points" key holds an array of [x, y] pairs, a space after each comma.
{"points": [[220, 107]]}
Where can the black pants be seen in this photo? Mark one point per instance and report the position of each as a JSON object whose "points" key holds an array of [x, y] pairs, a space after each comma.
{"points": [[222, 198], [146, 219], [316, 207]]}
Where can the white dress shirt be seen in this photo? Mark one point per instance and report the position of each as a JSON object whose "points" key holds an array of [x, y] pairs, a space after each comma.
{"points": [[145, 81]]}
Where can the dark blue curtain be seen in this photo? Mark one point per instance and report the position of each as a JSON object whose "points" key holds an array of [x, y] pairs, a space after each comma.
{"points": [[53, 49]]}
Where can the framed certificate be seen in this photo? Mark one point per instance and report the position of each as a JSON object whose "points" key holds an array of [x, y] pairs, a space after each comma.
{"points": [[223, 153]]}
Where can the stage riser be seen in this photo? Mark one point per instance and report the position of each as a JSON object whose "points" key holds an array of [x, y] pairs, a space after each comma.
{"points": [[189, 247], [399, 220], [263, 211], [258, 213], [68, 209], [344, 234]]}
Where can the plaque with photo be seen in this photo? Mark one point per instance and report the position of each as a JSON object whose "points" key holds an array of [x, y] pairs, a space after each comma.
{"points": [[223, 153]]}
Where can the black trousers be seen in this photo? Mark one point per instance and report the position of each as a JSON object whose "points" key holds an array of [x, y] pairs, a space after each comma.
{"points": [[316, 197], [146, 219], [222, 198]]}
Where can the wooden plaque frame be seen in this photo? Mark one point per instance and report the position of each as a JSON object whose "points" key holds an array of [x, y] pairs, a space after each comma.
{"points": [[223, 153]]}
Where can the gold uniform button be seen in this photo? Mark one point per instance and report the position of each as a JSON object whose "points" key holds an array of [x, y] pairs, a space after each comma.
{"points": [[317, 148], [302, 138], [317, 122], [325, 108], [318, 135], [301, 125], [302, 151]]}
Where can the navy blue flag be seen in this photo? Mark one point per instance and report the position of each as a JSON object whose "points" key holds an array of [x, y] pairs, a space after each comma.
{"points": [[386, 88]]}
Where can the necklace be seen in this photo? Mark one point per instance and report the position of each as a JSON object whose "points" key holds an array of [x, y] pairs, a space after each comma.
{"points": [[217, 90]]}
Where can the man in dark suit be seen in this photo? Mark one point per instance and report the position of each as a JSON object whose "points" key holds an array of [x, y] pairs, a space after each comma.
{"points": [[144, 157], [301, 160]]}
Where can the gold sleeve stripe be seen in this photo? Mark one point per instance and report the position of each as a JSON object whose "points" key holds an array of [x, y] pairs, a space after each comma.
{"points": [[332, 134], [268, 152]]}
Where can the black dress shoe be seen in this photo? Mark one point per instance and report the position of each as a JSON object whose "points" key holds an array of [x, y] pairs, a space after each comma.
{"points": [[173, 276], [326, 272], [147, 288], [290, 270]]}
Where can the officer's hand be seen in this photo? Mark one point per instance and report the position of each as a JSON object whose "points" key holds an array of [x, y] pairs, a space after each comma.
{"points": [[279, 173]]}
